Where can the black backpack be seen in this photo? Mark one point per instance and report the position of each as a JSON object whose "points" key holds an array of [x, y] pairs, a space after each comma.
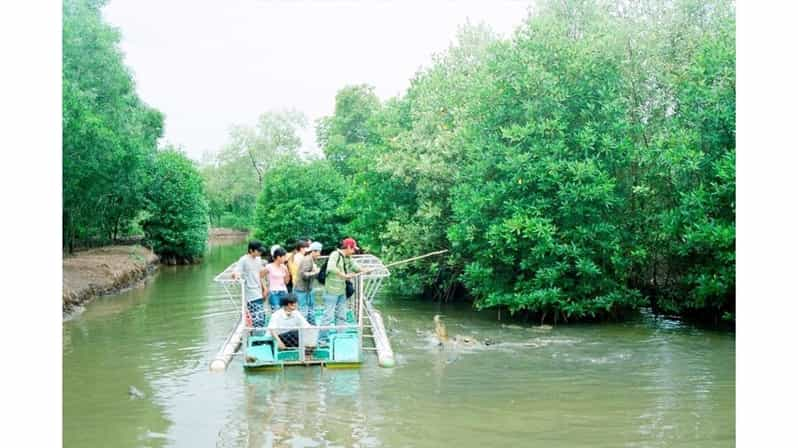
{"points": [[322, 275]]}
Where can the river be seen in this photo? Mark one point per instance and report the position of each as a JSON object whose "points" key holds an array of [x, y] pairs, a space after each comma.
{"points": [[651, 382]]}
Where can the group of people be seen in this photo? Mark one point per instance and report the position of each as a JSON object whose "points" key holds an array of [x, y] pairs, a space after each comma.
{"points": [[289, 283]]}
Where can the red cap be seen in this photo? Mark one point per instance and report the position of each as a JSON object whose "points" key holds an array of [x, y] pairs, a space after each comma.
{"points": [[349, 243]]}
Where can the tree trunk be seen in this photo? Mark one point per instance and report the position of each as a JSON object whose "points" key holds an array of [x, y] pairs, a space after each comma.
{"points": [[255, 165], [116, 230]]}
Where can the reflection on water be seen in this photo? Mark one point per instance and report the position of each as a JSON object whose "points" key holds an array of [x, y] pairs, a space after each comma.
{"points": [[303, 407], [652, 382]]}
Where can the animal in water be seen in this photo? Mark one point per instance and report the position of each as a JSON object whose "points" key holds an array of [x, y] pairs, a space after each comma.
{"points": [[134, 393], [440, 329]]}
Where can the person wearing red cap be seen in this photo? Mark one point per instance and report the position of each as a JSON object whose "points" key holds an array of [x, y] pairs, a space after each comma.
{"points": [[340, 268]]}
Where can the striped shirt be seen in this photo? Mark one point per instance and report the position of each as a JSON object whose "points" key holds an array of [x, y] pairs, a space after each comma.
{"points": [[338, 262]]}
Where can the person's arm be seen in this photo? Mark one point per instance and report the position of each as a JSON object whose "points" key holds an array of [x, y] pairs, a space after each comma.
{"points": [[272, 327], [306, 268], [314, 269], [280, 342], [354, 267], [238, 269]]}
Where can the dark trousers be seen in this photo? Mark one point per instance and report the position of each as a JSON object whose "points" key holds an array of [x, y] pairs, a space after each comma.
{"points": [[256, 312], [290, 338]]}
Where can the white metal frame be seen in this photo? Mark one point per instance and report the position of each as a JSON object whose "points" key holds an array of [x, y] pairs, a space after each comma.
{"points": [[366, 287]]}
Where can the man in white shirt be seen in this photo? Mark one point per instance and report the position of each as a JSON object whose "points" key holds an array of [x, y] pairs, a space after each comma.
{"points": [[285, 323]]}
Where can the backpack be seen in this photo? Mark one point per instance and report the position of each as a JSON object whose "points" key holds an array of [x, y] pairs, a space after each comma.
{"points": [[322, 275], [350, 287]]}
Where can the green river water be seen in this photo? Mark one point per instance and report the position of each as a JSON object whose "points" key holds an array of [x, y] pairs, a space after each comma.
{"points": [[648, 383]]}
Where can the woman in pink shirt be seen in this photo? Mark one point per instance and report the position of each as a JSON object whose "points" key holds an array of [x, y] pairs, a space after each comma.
{"points": [[277, 277]]}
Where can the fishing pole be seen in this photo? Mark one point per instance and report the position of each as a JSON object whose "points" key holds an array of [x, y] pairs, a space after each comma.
{"points": [[416, 258]]}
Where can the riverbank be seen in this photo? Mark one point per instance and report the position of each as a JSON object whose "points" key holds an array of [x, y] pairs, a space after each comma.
{"points": [[109, 269], [104, 270], [221, 235]]}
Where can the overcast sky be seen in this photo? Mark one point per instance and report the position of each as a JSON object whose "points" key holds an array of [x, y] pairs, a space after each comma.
{"points": [[210, 64]]}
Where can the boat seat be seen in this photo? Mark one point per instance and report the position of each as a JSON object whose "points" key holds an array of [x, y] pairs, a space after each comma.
{"points": [[345, 346], [262, 348], [321, 353], [290, 354]]}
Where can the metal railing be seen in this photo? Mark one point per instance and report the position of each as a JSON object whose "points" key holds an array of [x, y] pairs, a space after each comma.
{"points": [[366, 287]]}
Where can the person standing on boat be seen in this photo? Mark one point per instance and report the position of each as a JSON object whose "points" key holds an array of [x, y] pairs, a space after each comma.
{"points": [[294, 258], [305, 282], [340, 269], [249, 270], [277, 277], [286, 322], [266, 259]]}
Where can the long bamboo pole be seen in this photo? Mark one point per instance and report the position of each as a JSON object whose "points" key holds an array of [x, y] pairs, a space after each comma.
{"points": [[416, 258]]}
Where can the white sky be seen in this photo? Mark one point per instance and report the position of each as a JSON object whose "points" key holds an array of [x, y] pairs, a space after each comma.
{"points": [[210, 64]]}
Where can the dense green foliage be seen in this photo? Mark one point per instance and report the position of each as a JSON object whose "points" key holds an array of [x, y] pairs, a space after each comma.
{"points": [[115, 181], [580, 169], [234, 177], [177, 226], [109, 135], [301, 200], [344, 134]]}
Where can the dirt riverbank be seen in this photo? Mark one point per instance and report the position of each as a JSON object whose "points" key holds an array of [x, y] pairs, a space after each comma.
{"points": [[109, 269], [104, 270], [225, 236]]}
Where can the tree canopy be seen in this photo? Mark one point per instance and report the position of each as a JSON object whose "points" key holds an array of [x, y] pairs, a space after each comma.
{"points": [[301, 200], [580, 169], [234, 177], [177, 225], [114, 177], [109, 134]]}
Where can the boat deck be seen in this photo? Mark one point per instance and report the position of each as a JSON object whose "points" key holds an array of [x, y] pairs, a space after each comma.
{"points": [[330, 346]]}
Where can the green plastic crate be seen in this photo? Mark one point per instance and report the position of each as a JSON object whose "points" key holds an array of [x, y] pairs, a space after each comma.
{"points": [[321, 353], [345, 347], [288, 355]]}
